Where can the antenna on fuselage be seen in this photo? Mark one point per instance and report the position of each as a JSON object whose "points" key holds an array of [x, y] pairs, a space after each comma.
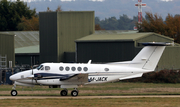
{"points": [[89, 62]]}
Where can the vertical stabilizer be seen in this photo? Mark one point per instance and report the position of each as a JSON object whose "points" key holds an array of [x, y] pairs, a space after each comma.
{"points": [[148, 57]]}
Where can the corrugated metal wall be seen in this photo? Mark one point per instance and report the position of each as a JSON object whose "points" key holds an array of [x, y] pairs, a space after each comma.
{"points": [[7, 47], [105, 51], [170, 58], [59, 30], [72, 26], [48, 36]]}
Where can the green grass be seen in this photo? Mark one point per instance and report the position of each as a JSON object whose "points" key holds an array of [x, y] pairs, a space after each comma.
{"points": [[107, 89], [106, 102], [118, 88]]}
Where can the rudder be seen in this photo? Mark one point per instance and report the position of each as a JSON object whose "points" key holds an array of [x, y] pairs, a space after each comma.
{"points": [[148, 57]]}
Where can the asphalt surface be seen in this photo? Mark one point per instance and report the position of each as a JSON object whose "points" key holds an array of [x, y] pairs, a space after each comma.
{"points": [[88, 97]]}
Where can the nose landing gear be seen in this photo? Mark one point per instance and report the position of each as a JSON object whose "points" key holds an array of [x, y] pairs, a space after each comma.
{"points": [[14, 92]]}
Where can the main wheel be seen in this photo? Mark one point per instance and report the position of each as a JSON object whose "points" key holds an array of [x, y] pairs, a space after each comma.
{"points": [[74, 93], [64, 93], [14, 93]]}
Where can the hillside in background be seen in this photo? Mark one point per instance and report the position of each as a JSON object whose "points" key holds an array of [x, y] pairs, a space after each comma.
{"points": [[109, 8]]}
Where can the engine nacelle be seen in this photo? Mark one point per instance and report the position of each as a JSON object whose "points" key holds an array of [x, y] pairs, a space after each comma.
{"points": [[23, 84]]}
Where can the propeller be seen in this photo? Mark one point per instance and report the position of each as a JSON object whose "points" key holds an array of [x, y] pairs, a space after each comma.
{"points": [[32, 69]]}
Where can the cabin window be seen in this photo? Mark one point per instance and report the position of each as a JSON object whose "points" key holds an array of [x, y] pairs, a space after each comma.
{"points": [[61, 68], [85, 69], [79, 68], [106, 69], [73, 68], [67, 68], [47, 68]]}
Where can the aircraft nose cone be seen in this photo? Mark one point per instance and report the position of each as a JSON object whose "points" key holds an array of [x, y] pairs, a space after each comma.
{"points": [[12, 77]]}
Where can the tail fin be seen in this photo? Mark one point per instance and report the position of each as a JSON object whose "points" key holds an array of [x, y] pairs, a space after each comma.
{"points": [[148, 57]]}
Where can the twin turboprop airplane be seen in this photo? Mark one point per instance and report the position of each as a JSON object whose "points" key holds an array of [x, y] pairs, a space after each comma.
{"points": [[68, 75]]}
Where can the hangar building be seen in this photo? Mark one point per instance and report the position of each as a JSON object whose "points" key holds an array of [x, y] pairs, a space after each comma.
{"points": [[26, 46], [72, 35], [6, 50], [115, 46], [59, 30]]}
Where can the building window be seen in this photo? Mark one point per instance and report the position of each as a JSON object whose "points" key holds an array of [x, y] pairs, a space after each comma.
{"points": [[85, 69], [79, 68], [61, 68], [67, 68], [73, 68], [47, 68]]}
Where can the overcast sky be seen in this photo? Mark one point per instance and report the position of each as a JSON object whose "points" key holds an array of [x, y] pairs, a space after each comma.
{"points": [[109, 8]]}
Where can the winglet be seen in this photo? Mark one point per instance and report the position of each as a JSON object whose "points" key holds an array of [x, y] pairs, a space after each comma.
{"points": [[89, 62]]}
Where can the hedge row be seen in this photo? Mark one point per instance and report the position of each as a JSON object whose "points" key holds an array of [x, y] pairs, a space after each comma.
{"points": [[163, 76]]}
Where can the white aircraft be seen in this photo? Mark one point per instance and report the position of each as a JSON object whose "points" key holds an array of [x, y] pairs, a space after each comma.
{"points": [[68, 75]]}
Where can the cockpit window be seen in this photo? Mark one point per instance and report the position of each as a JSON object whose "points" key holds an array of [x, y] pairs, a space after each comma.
{"points": [[38, 68], [47, 68], [42, 68]]}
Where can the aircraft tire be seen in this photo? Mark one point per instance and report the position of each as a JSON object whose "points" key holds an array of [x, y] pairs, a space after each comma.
{"points": [[74, 93], [14, 93], [64, 93]]}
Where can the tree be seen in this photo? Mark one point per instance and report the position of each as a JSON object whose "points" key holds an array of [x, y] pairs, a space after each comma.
{"points": [[98, 27], [123, 23], [155, 23], [58, 9], [29, 25], [11, 14], [33, 23], [152, 23], [173, 27]]}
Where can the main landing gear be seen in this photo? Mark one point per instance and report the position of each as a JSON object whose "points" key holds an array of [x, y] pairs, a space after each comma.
{"points": [[74, 93], [14, 92]]}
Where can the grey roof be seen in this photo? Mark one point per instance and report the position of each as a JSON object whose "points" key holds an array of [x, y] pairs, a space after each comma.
{"points": [[115, 31], [24, 38], [25, 41], [28, 41], [117, 36], [28, 49]]}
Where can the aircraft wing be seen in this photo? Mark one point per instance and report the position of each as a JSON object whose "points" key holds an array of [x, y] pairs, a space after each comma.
{"points": [[76, 78]]}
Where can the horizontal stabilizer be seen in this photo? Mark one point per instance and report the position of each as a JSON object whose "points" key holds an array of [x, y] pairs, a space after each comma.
{"points": [[131, 76], [157, 44]]}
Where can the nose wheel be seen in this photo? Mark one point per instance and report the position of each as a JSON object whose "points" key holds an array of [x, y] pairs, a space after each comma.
{"points": [[14, 93]]}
